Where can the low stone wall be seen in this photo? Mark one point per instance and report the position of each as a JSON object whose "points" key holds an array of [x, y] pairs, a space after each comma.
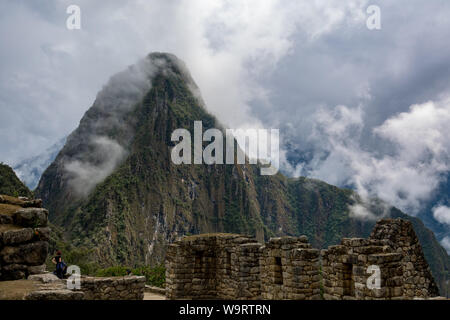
{"points": [[92, 288], [23, 237], [113, 288]]}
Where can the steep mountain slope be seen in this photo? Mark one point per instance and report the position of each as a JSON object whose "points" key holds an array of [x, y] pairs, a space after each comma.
{"points": [[113, 186], [11, 185]]}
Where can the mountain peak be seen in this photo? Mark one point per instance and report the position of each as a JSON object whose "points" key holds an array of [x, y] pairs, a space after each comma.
{"points": [[168, 62]]}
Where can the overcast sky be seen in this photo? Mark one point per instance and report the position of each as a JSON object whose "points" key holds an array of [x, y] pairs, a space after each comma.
{"points": [[360, 107]]}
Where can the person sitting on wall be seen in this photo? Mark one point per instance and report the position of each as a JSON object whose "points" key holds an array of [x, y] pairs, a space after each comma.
{"points": [[61, 267]]}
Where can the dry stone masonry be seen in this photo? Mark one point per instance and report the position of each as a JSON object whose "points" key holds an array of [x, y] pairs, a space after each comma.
{"points": [[416, 274], [346, 270], [23, 237], [91, 288], [113, 288], [213, 266], [228, 266], [289, 269]]}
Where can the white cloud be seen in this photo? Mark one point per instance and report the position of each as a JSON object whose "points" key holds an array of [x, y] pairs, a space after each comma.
{"points": [[84, 175], [446, 244], [404, 176], [359, 211], [421, 133], [442, 214]]}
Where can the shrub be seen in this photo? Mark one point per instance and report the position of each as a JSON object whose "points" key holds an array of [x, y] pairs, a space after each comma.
{"points": [[155, 276], [117, 271]]}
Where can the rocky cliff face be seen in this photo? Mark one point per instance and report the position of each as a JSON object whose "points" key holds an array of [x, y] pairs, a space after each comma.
{"points": [[113, 186]]}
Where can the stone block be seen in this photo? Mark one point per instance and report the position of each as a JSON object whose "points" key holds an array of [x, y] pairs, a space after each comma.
{"points": [[31, 254], [17, 236], [6, 219], [31, 217]]}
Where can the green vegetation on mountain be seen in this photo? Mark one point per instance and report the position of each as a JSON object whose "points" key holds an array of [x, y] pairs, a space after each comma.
{"points": [[11, 185], [147, 202]]}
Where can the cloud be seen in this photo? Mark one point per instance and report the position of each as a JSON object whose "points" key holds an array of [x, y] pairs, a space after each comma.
{"points": [[106, 154], [371, 209], [445, 242], [361, 212], [407, 174], [442, 214]]}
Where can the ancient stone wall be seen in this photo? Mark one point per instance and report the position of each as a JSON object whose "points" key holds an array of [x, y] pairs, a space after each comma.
{"points": [[113, 288], [227, 266], [48, 287], [346, 269], [224, 266], [289, 269], [417, 278], [23, 237], [238, 268]]}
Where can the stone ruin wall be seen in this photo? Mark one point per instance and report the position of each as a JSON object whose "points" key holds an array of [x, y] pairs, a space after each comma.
{"points": [[345, 270], [416, 274], [113, 288], [225, 266], [214, 266], [91, 288], [24, 237], [289, 269]]}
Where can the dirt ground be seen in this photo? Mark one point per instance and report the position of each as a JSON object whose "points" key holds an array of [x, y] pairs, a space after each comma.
{"points": [[16, 290], [153, 296]]}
